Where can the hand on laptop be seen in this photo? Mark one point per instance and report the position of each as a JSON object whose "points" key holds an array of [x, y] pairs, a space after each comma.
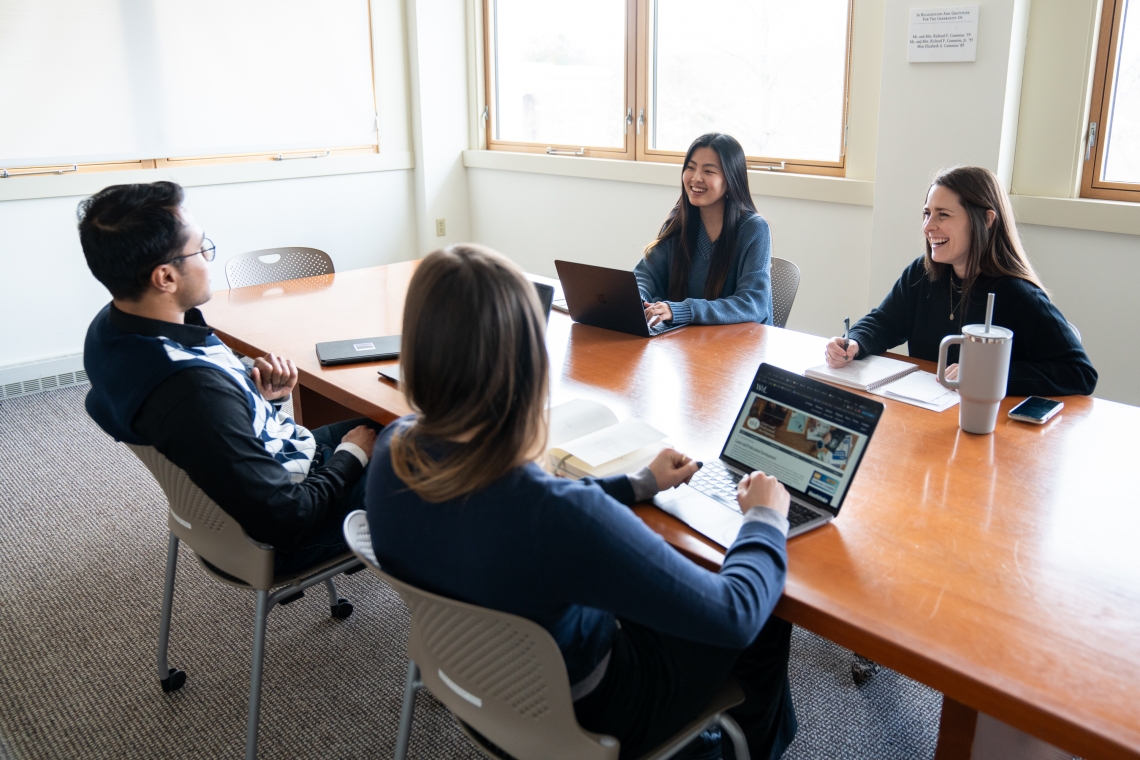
{"points": [[672, 468], [274, 377], [759, 490], [656, 313]]}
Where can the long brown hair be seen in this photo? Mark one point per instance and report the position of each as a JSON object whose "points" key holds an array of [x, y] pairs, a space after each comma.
{"points": [[473, 357], [684, 221], [996, 250]]}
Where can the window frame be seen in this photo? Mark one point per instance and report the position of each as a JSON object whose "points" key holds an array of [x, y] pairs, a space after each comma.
{"points": [[638, 52], [559, 149], [1104, 75], [11, 172]]}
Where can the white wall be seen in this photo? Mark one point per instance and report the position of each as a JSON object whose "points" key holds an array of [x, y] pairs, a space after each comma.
{"points": [[537, 218], [48, 296]]}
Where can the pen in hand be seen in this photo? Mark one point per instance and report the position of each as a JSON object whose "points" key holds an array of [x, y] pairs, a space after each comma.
{"points": [[846, 332]]}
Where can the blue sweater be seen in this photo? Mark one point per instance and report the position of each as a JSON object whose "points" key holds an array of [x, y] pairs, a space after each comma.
{"points": [[570, 556], [747, 292]]}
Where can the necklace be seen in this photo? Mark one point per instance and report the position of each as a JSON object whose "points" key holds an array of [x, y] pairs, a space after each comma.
{"points": [[952, 289]]}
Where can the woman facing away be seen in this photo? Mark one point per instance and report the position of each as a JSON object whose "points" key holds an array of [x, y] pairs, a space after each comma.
{"points": [[710, 263], [458, 506], [972, 249]]}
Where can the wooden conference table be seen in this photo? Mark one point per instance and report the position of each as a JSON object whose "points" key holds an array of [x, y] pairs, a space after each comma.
{"points": [[1002, 570]]}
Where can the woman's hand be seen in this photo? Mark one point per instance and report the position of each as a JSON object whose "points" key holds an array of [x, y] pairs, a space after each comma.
{"points": [[759, 490], [837, 356], [657, 312], [672, 468], [274, 377], [952, 372]]}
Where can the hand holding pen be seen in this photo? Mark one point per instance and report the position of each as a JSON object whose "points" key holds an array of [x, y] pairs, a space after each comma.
{"points": [[841, 351]]}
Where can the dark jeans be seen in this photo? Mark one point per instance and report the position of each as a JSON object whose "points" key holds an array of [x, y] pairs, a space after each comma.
{"points": [[656, 684], [328, 541]]}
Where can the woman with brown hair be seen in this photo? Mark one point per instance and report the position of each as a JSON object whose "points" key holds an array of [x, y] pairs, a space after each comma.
{"points": [[972, 248], [458, 506]]}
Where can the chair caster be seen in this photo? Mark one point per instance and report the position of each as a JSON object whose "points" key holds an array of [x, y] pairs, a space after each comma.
{"points": [[863, 670], [342, 609], [174, 681]]}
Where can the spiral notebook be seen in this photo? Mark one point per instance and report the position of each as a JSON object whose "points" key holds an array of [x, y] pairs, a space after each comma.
{"points": [[864, 374], [892, 379]]}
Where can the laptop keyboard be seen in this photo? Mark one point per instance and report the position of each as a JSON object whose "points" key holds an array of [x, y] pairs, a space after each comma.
{"points": [[719, 482]]}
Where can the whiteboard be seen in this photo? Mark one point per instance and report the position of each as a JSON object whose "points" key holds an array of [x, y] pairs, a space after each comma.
{"points": [[109, 80]]}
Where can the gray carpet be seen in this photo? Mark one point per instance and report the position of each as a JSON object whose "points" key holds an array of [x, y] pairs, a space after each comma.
{"points": [[82, 553]]}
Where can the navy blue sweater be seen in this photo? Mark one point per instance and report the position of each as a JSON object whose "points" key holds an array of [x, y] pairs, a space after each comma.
{"points": [[1047, 357], [747, 292], [570, 556]]}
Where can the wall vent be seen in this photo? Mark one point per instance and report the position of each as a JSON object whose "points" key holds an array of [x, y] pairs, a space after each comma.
{"points": [[40, 384]]}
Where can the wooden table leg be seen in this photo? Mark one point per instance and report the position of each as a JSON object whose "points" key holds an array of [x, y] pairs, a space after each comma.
{"points": [[956, 731], [314, 410]]}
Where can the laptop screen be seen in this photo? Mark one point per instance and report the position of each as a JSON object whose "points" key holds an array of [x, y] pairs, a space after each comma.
{"points": [[808, 434]]}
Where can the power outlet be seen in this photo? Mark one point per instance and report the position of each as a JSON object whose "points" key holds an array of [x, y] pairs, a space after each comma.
{"points": [[440, 227]]}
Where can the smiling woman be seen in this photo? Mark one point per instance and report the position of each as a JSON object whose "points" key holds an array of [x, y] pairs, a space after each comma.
{"points": [[972, 248], [710, 263]]}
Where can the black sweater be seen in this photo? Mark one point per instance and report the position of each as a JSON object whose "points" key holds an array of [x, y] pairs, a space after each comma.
{"points": [[200, 420], [1047, 359]]}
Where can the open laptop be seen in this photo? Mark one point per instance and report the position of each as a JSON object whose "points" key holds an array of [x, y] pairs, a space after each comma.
{"points": [[607, 298], [809, 435]]}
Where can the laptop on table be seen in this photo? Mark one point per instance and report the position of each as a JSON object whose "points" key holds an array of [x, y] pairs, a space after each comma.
{"points": [[810, 435], [607, 298]]}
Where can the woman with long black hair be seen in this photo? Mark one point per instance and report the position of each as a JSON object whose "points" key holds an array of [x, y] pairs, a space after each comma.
{"points": [[710, 263]]}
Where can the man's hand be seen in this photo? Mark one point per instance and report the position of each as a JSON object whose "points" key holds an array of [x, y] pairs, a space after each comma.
{"points": [[672, 468], [759, 490], [363, 436], [274, 377]]}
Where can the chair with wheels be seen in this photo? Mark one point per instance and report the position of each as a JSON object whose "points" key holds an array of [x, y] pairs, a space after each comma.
{"points": [[230, 555], [785, 284], [277, 265], [504, 679]]}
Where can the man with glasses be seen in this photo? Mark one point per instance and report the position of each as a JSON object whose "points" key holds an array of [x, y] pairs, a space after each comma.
{"points": [[160, 377]]}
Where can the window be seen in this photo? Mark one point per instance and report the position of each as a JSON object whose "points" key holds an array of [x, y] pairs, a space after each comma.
{"points": [[640, 79], [105, 85], [1112, 153]]}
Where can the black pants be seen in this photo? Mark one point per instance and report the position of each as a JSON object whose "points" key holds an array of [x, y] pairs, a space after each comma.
{"points": [[656, 684], [328, 541]]}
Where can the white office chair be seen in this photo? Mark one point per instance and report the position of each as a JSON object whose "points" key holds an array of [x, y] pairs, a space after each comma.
{"points": [[230, 555], [504, 679]]}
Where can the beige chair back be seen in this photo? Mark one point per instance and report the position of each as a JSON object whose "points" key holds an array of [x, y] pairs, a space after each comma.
{"points": [[785, 278], [277, 265], [501, 674], [197, 520]]}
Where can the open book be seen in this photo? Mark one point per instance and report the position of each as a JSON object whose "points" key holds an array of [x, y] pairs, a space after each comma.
{"points": [[890, 378], [586, 439]]}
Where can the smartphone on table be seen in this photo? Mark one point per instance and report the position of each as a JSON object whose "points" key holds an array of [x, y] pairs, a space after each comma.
{"points": [[1035, 409]]}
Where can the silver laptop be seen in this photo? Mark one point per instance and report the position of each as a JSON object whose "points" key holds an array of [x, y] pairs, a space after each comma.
{"points": [[808, 434]]}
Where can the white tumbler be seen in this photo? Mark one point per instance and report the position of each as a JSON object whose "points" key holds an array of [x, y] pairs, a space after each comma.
{"points": [[983, 371]]}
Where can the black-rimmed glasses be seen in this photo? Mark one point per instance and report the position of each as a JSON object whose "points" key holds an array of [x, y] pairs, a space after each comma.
{"points": [[208, 250]]}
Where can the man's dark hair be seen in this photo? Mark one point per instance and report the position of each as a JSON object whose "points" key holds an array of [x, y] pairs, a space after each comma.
{"points": [[128, 230]]}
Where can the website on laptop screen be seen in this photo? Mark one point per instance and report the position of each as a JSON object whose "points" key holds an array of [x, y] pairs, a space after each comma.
{"points": [[809, 435]]}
